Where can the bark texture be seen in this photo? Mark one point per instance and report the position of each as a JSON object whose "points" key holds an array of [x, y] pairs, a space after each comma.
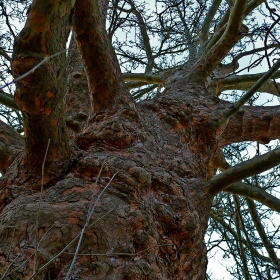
{"points": [[11, 144], [40, 95], [151, 219], [140, 169]]}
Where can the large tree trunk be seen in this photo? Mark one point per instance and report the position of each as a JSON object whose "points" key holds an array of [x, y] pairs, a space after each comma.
{"points": [[150, 220], [130, 201]]}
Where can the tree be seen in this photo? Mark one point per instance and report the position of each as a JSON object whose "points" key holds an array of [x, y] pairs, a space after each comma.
{"points": [[115, 174]]}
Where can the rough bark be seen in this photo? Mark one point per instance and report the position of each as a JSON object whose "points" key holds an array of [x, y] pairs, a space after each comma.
{"points": [[114, 118], [151, 219], [11, 144], [78, 105], [40, 95], [255, 123], [141, 168], [157, 202], [101, 64]]}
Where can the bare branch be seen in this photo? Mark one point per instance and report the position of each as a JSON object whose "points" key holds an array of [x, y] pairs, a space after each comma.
{"points": [[207, 21], [40, 94], [252, 123], [243, 170], [7, 20], [249, 8], [8, 100], [236, 107], [218, 50], [5, 55], [255, 193], [229, 229], [258, 224], [91, 210], [70, 244], [37, 214], [106, 85], [243, 82], [189, 39], [145, 37], [240, 246], [254, 51], [146, 78]]}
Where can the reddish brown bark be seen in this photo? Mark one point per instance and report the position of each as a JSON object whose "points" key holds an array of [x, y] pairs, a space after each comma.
{"points": [[252, 124], [158, 207], [78, 105], [151, 220], [101, 64], [40, 95], [11, 144], [143, 166], [114, 118]]}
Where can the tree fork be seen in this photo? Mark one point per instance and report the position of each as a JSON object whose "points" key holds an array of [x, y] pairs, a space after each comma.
{"points": [[114, 118], [107, 88]]}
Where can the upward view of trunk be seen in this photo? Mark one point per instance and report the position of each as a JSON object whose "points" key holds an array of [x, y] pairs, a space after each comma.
{"points": [[104, 187], [150, 221]]}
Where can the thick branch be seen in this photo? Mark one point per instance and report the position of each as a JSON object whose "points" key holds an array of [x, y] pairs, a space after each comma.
{"points": [[40, 95], [106, 85], [255, 193], [249, 8], [207, 21], [236, 107], [243, 170], [4, 54], [146, 78], [8, 100], [77, 99], [230, 36], [140, 93], [244, 82], [11, 144], [248, 190], [252, 123]]}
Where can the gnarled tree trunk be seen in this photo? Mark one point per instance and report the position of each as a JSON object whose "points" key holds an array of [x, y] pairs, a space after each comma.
{"points": [[126, 195]]}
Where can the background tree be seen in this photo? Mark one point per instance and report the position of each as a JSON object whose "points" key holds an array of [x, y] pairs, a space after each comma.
{"points": [[112, 184]]}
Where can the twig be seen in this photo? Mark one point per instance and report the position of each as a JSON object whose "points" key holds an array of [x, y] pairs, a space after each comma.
{"points": [[9, 266], [90, 212], [33, 69], [21, 264], [31, 254], [70, 243], [37, 216], [125, 254], [13, 236]]}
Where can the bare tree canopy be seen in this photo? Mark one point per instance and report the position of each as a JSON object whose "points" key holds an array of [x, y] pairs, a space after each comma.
{"points": [[139, 138]]}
